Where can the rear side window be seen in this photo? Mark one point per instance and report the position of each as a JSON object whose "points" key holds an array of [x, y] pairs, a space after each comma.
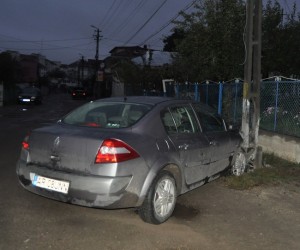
{"points": [[180, 119], [209, 121], [107, 114]]}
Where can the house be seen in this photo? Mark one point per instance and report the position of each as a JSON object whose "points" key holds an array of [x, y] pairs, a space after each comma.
{"points": [[127, 52], [154, 58]]}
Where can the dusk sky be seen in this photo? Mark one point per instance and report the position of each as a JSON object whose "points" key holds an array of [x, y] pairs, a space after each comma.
{"points": [[61, 29]]}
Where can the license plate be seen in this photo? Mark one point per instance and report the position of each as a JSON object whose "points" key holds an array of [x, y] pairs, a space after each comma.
{"points": [[26, 100], [51, 184]]}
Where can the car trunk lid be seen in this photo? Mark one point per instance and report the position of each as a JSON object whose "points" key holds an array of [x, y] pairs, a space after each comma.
{"points": [[66, 148]]}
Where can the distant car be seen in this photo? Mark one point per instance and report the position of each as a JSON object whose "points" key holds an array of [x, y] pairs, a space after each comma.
{"points": [[78, 93], [30, 95], [130, 152]]}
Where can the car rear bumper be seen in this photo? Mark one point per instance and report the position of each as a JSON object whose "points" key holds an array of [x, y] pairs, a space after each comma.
{"points": [[84, 190]]}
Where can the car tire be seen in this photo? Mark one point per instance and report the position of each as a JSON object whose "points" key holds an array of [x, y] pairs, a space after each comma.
{"points": [[238, 164], [160, 202]]}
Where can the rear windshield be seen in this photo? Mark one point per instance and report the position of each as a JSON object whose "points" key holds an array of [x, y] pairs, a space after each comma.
{"points": [[107, 114]]}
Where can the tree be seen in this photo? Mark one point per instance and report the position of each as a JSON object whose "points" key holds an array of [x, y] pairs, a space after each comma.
{"points": [[291, 38], [272, 51], [212, 47], [172, 40]]}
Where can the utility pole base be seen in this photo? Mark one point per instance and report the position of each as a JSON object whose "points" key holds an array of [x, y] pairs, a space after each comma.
{"points": [[258, 158]]}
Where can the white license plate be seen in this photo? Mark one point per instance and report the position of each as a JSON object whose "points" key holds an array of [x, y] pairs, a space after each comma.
{"points": [[51, 184], [26, 100]]}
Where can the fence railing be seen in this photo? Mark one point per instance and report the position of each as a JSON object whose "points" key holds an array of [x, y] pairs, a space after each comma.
{"points": [[280, 102]]}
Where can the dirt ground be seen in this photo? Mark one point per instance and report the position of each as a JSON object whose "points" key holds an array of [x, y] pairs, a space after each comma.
{"points": [[210, 217], [260, 218]]}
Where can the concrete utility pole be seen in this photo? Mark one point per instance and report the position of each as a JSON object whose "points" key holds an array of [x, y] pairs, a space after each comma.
{"points": [[97, 38], [252, 79]]}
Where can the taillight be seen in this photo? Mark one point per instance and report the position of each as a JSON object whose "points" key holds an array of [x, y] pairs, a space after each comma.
{"points": [[114, 151], [25, 144]]}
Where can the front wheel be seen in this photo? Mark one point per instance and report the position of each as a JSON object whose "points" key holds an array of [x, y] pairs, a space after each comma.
{"points": [[161, 199]]}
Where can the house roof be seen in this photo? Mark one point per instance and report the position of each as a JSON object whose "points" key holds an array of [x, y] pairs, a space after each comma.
{"points": [[127, 51], [155, 58]]}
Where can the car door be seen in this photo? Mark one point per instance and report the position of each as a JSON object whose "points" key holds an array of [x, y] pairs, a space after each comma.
{"points": [[219, 139], [192, 146]]}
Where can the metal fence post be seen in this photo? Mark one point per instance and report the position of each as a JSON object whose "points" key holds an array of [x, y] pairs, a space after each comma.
{"points": [[207, 83], [176, 88], [276, 104], [196, 87], [220, 98]]}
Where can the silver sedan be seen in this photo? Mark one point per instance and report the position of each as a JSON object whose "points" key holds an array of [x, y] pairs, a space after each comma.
{"points": [[129, 152]]}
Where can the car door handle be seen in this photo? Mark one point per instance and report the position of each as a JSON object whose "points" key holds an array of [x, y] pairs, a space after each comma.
{"points": [[183, 146]]}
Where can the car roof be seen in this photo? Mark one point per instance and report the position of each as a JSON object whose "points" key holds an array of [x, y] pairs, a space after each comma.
{"points": [[155, 100], [152, 100]]}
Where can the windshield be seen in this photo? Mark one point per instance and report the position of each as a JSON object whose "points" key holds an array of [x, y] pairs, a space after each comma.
{"points": [[30, 91], [107, 114]]}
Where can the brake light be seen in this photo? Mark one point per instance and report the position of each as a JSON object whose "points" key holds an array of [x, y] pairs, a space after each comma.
{"points": [[25, 144], [114, 151]]}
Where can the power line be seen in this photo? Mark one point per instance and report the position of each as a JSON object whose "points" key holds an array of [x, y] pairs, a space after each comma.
{"points": [[147, 21], [131, 15], [58, 47], [107, 13], [169, 22], [50, 40], [113, 15]]}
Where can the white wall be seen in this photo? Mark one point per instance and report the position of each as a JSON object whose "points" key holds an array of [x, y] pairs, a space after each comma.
{"points": [[286, 147]]}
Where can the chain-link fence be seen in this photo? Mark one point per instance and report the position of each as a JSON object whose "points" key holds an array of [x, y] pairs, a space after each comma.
{"points": [[280, 107], [280, 101]]}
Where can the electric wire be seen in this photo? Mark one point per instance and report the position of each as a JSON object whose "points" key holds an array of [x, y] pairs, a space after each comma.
{"points": [[58, 47], [113, 16], [169, 22], [131, 15], [107, 14], [144, 24]]}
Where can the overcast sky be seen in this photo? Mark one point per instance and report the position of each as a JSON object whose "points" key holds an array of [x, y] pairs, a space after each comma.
{"points": [[61, 29]]}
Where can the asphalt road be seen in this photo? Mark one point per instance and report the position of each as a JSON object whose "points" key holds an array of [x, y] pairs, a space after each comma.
{"points": [[210, 217]]}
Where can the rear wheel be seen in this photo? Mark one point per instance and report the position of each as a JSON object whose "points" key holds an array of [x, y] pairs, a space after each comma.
{"points": [[161, 199]]}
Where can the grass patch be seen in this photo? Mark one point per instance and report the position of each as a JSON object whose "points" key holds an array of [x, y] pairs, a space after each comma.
{"points": [[275, 172]]}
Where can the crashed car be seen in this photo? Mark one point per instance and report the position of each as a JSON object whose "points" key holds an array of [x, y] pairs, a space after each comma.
{"points": [[130, 152]]}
